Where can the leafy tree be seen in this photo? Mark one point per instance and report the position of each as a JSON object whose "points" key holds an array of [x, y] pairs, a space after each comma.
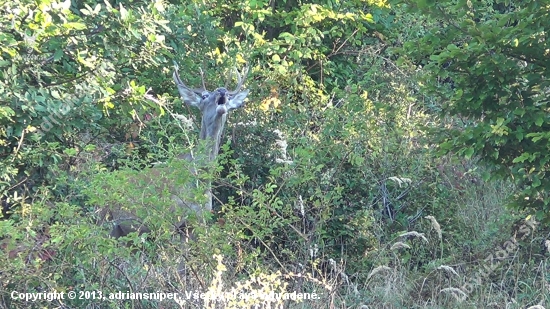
{"points": [[486, 62]]}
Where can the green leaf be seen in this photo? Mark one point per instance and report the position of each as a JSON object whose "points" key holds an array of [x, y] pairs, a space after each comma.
{"points": [[70, 151], [6, 112], [446, 145], [519, 136], [452, 47], [90, 148], [58, 54], [502, 22], [524, 156], [459, 93], [468, 152], [74, 25], [535, 137]]}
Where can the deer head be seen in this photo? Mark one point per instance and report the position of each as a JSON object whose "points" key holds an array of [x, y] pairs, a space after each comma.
{"points": [[214, 106]]}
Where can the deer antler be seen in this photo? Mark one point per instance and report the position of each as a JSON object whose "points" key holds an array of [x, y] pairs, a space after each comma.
{"points": [[179, 82], [240, 80]]}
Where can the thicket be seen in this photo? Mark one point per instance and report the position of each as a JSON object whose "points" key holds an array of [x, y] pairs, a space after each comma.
{"points": [[328, 180]]}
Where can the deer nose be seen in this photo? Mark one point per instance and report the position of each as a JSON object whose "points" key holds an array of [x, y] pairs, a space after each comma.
{"points": [[222, 91]]}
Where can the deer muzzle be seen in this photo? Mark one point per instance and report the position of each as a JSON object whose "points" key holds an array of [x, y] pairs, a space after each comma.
{"points": [[222, 96]]}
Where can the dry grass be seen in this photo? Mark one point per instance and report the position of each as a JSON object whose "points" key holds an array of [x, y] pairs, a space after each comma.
{"points": [[414, 234], [435, 226]]}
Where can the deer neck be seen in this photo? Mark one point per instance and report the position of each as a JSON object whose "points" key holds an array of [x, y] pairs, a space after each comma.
{"points": [[213, 135]]}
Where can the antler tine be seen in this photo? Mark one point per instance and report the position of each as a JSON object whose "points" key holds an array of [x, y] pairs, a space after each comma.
{"points": [[228, 78], [202, 79], [176, 75], [240, 80]]}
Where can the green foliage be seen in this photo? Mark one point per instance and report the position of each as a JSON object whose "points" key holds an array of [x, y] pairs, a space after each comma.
{"points": [[62, 69], [319, 178], [486, 62]]}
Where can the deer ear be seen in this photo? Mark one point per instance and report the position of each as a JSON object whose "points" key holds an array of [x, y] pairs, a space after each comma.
{"points": [[237, 100], [189, 97]]}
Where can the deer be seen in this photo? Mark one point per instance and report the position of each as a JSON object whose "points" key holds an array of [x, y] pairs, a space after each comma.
{"points": [[214, 107]]}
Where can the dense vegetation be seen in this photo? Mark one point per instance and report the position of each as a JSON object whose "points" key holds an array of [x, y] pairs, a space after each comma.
{"points": [[373, 164]]}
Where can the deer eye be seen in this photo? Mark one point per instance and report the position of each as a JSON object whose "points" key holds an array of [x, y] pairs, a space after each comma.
{"points": [[204, 96]]}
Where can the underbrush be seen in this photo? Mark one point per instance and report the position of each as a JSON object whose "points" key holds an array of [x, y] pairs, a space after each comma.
{"points": [[396, 228], [464, 261]]}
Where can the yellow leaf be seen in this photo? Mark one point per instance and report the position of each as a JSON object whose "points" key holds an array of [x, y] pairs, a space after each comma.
{"points": [[368, 17], [275, 102], [240, 59], [264, 106]]}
